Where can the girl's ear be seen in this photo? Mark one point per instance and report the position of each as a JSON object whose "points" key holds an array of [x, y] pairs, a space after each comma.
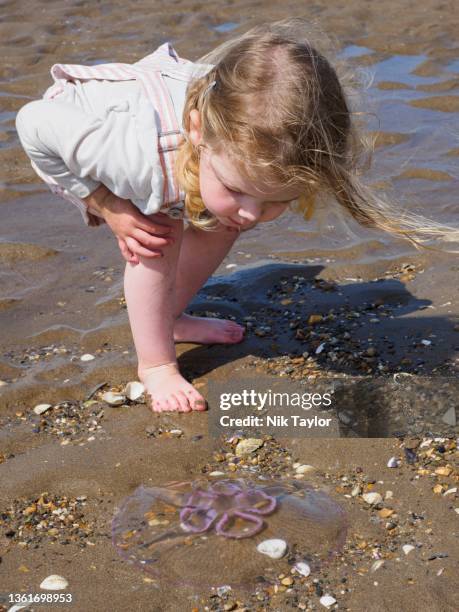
{"points": [[195, 127]]}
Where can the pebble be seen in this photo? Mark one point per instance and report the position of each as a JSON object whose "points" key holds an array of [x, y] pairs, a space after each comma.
{"points": [[54, 583], [249, 445], [87, 357], [114, 399], [356, 491], [216, 473], [3, 383], [134, 390], [302, 568], [393, 462], [372, 498], [273, 548], [443, 471], [449, 418], [41, 408], [304, 469], [426, 342], [327, 601], [320, 348], [407, 548]]}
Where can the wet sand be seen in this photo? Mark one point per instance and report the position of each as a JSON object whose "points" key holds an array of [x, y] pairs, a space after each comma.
{"points": [[383, 313]]}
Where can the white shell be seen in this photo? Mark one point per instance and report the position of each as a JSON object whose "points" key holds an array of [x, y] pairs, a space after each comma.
{"points": [[377, 564], [134, 390], [407, 548], [54, 583], [372, 498], [327, 601], [114, 399], [249, 445], [302, 568], [87, 357], [273, 548], [41, 408], [393, 462], [304, 469]]}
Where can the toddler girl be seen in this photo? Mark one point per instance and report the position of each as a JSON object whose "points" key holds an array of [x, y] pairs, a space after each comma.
{"points": [[259, 125]]}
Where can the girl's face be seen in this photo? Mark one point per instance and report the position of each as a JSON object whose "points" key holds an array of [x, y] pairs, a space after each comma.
{"points": [[232, 199], [228, 195]]}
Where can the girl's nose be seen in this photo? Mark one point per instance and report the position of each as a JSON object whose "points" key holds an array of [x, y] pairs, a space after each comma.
{"points": [[250, 212]]}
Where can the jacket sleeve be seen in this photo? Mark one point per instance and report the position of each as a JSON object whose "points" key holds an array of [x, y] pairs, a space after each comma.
{"points": [[80, 149]]}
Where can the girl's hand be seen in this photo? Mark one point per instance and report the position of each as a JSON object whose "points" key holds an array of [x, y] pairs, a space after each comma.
{"points": [[136, 234]]}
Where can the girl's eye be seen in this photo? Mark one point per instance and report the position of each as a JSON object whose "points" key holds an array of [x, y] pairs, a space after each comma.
{"points": [[233, 191]]}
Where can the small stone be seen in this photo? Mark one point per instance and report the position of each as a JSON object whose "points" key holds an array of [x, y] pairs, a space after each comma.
{"points": [[407, 548], [134, 390], [287, 581], [302, 568], [437, 489], [3, 383], [222, 590], [273, 548], [320, 348], [305, 469], [315, 318], [450, 491], [54, 583], [385, 513], [443, 471], [449, 418], [372, 498], [87, 357], [114, 399], [389, 495], [247, 446], [327, 601], [216, 473], [426, 342], [41, 408], [176, 432], [393, 462]]}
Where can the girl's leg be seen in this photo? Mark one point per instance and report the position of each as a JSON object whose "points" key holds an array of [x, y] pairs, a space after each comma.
{"points": [[150, 297], [200, 255]]}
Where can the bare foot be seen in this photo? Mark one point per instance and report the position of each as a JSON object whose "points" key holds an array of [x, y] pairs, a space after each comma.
{"points": [[167, 390], [204, 330]]}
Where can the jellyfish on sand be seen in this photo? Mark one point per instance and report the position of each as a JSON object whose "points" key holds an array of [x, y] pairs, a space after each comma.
{"points": [[206, 532]]}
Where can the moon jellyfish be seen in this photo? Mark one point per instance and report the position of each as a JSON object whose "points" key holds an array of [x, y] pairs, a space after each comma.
{"points": [[206, 532]]}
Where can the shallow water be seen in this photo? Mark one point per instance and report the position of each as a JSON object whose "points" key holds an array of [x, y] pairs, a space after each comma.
{"points": [[69, 291]]}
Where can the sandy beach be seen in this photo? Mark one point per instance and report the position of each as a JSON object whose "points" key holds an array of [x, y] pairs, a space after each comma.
{"points": [[352, 312]]}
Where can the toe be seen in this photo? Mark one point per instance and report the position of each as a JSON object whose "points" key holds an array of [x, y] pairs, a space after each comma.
{"points": [[183, 401], [172, 403]]}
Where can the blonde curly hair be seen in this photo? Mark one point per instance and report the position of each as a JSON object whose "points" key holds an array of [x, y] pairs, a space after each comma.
{"points": [[283, 115]]}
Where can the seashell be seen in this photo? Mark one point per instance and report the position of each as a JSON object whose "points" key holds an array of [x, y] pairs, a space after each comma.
{"points": [[273, 548], [407, 548], [304, 469], [41, 408], [134, 390], [54, 583], [114, 399], [377, 564], [393, 462], [87, 357], [302, 568], [372, 498], [327, 601]]}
